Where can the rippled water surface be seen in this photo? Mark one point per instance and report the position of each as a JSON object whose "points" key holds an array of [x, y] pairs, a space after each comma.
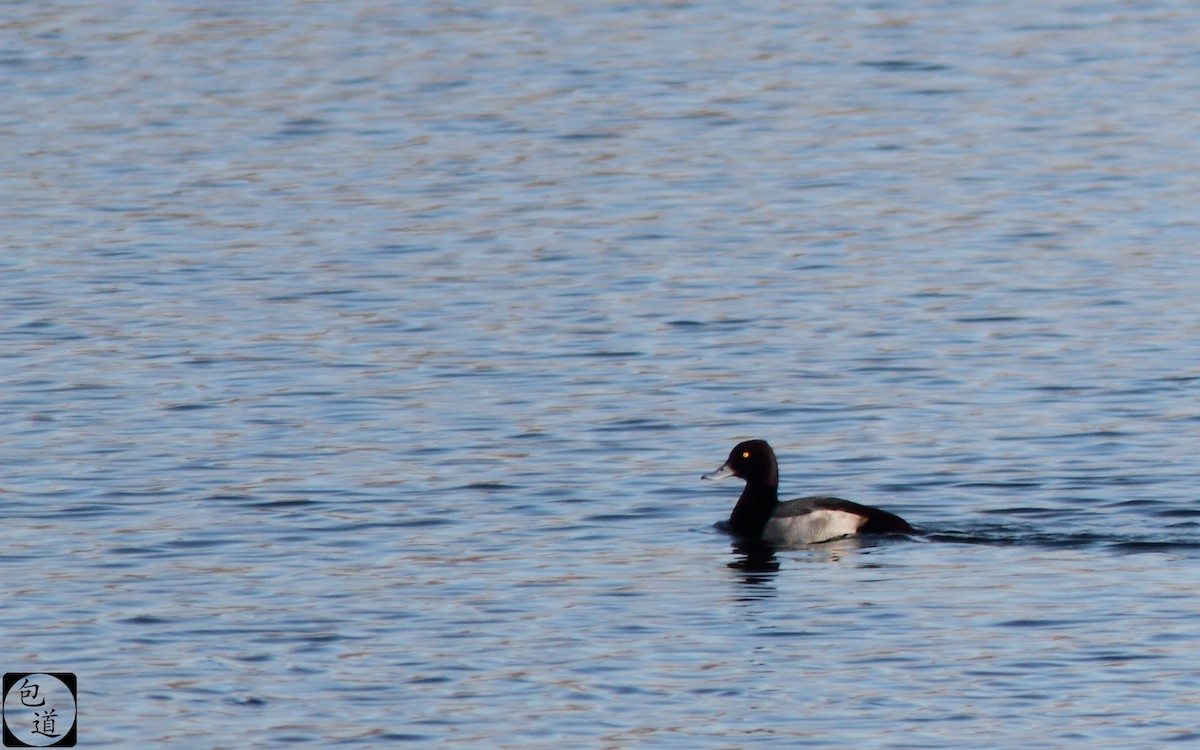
{"points": [[360, 360]]}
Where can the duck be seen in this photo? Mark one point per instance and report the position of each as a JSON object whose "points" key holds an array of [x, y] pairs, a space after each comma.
{"points": [[760, 516]]}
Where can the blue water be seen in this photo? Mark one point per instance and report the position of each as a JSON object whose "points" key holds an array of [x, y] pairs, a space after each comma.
{"points": [[359, 364]]}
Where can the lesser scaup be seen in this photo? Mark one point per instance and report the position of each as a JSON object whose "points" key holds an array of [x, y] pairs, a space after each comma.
{"points": [[759, 515]]}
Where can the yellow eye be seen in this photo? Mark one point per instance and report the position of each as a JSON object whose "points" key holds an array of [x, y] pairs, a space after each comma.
{"points": [[745, 454]]}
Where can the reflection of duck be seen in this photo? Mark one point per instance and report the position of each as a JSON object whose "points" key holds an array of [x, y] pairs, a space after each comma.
{"points": [[759, 514]]}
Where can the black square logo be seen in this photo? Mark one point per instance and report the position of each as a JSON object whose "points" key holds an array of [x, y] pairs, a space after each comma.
{"points": [[39, 709]]}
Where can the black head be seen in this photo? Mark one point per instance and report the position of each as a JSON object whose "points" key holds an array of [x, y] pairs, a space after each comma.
{"points": [[753, 461]]}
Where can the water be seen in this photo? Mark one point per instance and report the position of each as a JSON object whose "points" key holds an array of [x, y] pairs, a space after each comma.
{"points": [[360, 363]]}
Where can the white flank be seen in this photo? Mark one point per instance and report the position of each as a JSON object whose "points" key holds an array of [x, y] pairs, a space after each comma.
{"points": [[809, 528]]}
